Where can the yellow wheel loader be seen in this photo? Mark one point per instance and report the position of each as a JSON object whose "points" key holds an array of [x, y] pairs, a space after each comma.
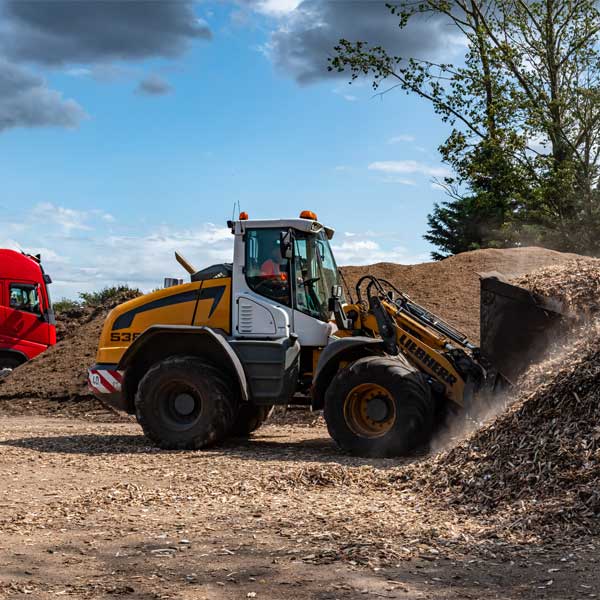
{"points": [[200, 361]]}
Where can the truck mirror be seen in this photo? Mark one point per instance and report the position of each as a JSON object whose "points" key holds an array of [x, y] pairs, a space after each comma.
{"points": [[286, 244]]}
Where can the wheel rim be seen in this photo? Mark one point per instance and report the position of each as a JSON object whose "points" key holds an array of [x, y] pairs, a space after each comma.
{"points": [[180, 405], [369, 410]]}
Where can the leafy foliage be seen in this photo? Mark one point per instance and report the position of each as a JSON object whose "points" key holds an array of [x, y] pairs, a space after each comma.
{"points": [[106, 295], [65, 305], [524, 107], [100, 298]]}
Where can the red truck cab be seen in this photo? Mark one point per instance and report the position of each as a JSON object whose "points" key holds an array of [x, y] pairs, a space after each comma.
{"points": [[27, 324]]}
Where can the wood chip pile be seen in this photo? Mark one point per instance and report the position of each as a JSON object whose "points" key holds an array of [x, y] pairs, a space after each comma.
{"points": [[450, 287], [71, 319], [56, 381], [538, 463], [575, 283]]}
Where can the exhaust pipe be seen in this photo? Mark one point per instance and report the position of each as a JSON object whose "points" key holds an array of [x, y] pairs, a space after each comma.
{"points": [[185, 264]]}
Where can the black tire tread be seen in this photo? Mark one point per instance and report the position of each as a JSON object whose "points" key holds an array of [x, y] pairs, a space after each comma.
{"points": [[250, 417], [10, 362], [400, 375], [224, 397]]}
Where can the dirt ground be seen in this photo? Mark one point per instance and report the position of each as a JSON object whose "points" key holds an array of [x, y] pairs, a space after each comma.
{"points": [[507, 509], [92, 510]]}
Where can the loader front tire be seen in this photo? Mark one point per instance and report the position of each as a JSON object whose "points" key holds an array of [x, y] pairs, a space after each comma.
{"points": [[249, 418], [184, 403], [379, 407]]}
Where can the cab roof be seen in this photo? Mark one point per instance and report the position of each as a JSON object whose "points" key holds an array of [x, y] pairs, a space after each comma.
{"points": [[18, 266], [307, 225]]}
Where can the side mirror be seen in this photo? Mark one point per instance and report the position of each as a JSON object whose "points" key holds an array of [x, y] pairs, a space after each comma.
{"points": [[286, 244], [335, 306], [321, 251]]}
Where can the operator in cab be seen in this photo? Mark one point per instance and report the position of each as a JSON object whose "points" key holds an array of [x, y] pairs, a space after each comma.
{"points": [[271, 274], [271, 267]]}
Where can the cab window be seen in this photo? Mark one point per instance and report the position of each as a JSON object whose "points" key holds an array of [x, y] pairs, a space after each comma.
{"points": [[24, 297], [308, 282], [315, 274], [267, 272]]}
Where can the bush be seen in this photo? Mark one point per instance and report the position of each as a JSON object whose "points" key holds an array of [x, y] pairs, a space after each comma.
{"points": [[107, 294], [65, 305]]}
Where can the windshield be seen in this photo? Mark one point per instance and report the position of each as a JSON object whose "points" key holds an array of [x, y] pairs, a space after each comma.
{"points": [[315, 273]]}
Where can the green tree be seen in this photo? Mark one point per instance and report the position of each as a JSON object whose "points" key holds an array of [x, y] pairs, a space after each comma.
{"points": [[530, 76]]}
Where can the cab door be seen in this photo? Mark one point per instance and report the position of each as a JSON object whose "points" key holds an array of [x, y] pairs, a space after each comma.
{"points": [[24, 321], [4, 342]]}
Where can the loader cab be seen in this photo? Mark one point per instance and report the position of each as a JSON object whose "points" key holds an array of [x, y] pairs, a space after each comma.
{"points": [[284, 271]]}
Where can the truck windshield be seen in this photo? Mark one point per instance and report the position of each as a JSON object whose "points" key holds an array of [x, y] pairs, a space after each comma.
{"points": [[315, 273]]}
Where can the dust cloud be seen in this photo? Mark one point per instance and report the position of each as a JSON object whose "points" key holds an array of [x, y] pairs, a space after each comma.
{"points": [[488, 406]]}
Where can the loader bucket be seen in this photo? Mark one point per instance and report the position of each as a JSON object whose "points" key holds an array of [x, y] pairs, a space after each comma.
{"points": [[516, 326]]}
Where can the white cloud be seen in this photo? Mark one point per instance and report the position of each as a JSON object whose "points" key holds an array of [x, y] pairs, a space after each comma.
{"points": [[277, 7], [147, 259], [78, 72], [107, 217], [47, 253], [352, 251], [67, 218], [401, 138], [400, 180], [539, 144], [409, 166], [82, 258], [344, 94], [90, 258]]}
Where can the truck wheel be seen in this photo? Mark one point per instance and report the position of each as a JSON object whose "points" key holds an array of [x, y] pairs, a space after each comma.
{"points": [[249, 418], [379, 407], [183, 403], [9, 362]]}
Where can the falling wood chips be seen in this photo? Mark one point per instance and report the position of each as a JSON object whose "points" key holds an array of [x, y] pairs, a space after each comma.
{"points": [[575, 283]]}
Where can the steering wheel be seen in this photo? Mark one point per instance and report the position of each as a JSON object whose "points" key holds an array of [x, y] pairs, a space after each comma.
{"points": [[271, 283]]}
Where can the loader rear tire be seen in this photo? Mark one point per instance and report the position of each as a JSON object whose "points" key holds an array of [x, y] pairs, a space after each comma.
{"points": [[249, 418], [379, 407], [184, 403]]}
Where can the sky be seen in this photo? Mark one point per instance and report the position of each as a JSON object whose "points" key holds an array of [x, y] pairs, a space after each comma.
{"points": [[130, 129]]}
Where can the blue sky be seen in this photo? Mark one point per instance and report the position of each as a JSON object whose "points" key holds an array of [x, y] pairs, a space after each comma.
{"points": [[118, 157]]}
